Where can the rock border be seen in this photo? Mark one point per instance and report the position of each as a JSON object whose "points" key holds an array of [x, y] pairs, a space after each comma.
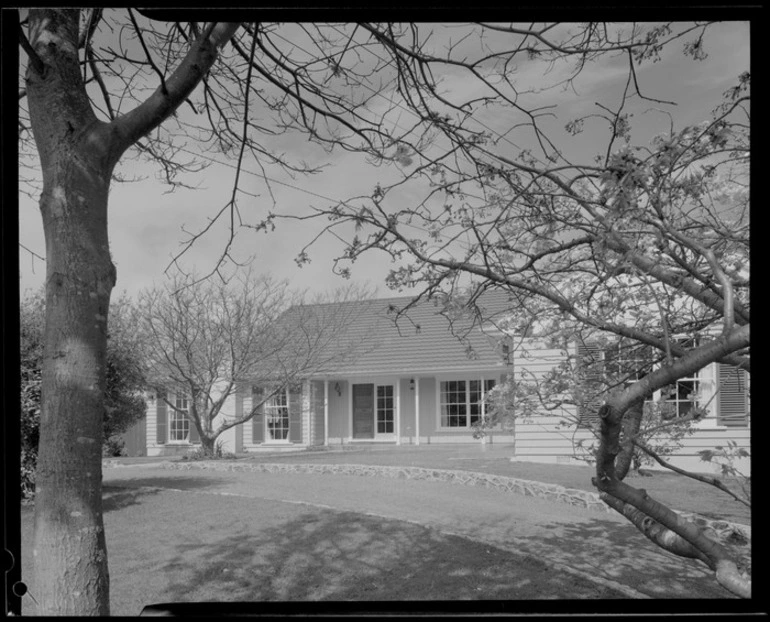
{"points": [[551, 492]]}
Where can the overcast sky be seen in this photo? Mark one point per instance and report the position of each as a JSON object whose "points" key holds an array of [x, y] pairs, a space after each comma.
{"points": [[147, 225]]}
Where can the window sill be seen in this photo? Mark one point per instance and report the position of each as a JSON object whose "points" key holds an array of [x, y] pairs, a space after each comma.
{"points": [[470, 430], [719, 428]]}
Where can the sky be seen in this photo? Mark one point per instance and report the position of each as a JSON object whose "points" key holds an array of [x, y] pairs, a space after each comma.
{"points": [[147, 224]]}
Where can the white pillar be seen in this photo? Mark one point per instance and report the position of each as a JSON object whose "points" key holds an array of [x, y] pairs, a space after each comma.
{"points": [[398, 411], [326, 413], [416, 411], [307, 424], [350, 410]]}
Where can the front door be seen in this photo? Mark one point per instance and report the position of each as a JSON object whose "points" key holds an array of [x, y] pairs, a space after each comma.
{"points": [[363, 411]]}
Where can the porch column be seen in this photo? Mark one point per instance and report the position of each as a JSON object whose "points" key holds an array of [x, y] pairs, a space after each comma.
{"points": [[416, 411], [350, 410], [398, 411], [326, 413], [307, 424]]}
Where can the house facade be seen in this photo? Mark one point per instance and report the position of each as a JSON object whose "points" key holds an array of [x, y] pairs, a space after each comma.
{"points": [[722, 391], [423, 380]]}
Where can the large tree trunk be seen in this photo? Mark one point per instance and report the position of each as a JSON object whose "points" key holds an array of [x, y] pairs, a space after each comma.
{"points": [[653, 519], [70, 556], [71, 574], [632, 422], [77, 156], [208, 444]]}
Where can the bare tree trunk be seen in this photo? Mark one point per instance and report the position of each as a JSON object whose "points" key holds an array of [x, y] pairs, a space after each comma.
{"points": [[77, 156], [632, 421], [653, 519], [208, 444], [71, 577], [70, 569]]}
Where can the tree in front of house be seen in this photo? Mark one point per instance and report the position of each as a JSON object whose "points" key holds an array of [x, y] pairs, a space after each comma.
{"points": [[207, 339], [124, 401], [634, 238]]}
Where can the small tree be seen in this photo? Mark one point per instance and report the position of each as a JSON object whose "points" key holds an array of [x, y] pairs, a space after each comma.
{"points": [[204, 338]]}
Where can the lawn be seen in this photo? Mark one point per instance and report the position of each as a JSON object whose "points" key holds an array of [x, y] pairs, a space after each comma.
{"points": [[174, 546], [676, 491]]}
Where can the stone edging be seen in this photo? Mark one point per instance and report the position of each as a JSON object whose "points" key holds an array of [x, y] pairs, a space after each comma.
{"points": [[552, 492]]}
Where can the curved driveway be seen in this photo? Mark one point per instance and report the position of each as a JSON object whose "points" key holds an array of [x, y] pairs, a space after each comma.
{"points": [[599, 546]]}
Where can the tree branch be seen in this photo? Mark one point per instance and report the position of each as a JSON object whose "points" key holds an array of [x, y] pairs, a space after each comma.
{"points": [[162, 103], [34, 60]]}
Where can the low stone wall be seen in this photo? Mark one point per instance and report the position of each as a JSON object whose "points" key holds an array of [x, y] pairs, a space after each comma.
{"points": [[552, 492]]}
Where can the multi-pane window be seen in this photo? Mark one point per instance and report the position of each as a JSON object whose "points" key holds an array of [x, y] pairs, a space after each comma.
{"points": [[681, 397], [462, 402], [604, 368], [277, 416], [626, 363], [179, 424], [385, 418]]}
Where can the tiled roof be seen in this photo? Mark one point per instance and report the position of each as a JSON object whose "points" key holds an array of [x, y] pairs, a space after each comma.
{"points": [[420, 341]]}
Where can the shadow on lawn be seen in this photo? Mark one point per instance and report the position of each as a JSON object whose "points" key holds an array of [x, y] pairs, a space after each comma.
{"points": [[119, 497], [618, 552], [118, 494], [349, 557]]}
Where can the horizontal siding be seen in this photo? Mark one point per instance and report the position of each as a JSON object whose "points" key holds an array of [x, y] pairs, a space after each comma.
{"points": [[541, 439], [708, 439], [532, 358], [464, 438]]}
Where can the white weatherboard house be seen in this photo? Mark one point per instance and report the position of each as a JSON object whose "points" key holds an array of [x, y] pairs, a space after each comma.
{"points": [[416, 384]]}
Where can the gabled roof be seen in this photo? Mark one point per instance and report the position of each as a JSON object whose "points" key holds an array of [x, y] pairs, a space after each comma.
{"points": [[422, 340]]}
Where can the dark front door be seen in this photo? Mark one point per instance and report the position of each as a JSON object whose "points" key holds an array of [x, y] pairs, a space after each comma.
{"points": [[363, 411]]}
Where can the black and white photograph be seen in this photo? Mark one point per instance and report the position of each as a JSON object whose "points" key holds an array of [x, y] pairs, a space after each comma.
{"points": [[419, 316]]}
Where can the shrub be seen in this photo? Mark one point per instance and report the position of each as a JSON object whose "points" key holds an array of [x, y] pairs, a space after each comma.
{"points": [[114, 447], [199, 453]]}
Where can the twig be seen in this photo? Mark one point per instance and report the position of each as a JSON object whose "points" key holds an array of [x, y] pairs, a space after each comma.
{"points": [[713, 481], [37, 64]]}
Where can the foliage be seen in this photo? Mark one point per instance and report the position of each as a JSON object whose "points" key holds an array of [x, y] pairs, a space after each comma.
{"points": [[31, 350], [202, 453], [113, 447], [727, 459], [125, 380]]}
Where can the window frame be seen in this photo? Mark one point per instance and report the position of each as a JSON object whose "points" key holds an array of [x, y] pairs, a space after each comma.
{"points": [[702, 392], [174, 415], [692, 400], [271, 405], [587, 414], [468, 404], [392, 409]]}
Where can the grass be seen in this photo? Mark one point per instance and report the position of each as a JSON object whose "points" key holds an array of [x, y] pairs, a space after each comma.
{"points": [[676, 491], [169, 546]]}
